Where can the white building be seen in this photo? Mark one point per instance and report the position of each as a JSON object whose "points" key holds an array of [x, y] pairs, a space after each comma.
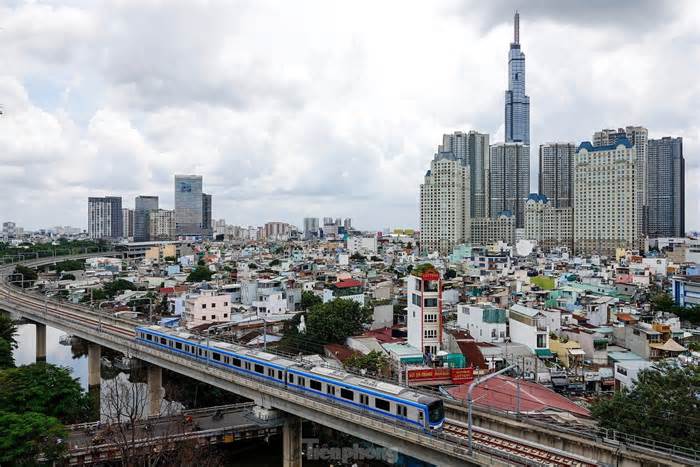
{"points": [[607, 208], [424, 317], [484, 322], [362, 244], [626, 372], [162, 224], [487, 230], [549, 226], [444, 205], [207, 308], [528, 326], [105, 217]]}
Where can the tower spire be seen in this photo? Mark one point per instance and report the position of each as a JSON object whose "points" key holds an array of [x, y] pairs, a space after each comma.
{"points": [[516, 28]]}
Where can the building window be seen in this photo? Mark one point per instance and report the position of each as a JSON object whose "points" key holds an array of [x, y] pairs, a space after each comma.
{"points": [[204, 305]]}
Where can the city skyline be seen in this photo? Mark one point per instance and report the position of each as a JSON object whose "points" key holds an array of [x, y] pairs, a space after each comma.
{"points": [[285, 148]]}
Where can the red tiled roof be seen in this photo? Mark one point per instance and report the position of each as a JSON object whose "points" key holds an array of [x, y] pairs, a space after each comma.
{"points": [[383, 335], [500, 393], [626, 317], [339, 351], [472, 353], [347, 284]]}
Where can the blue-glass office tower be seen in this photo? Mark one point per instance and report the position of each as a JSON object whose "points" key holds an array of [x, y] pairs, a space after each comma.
{"points": [[189, 206], [143, 205], [517, 103]]}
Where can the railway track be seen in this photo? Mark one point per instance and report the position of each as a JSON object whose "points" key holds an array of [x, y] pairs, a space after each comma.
{"points": [[511, 449]]}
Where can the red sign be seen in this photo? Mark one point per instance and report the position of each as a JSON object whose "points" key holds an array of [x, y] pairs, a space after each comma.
{"points": [[455, 375], [431, 276]]}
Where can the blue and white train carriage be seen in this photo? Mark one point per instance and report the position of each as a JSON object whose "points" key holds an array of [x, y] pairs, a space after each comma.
{"points": [[386, 400]]}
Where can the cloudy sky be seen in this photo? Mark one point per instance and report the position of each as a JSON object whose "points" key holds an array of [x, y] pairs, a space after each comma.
{"points": [[315, 108]]}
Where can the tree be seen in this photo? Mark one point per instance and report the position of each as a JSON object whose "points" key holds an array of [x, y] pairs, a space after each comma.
{"points": [[199, 274], [336, 320], [450, 274], [68, 277], [309, 299], [8, 342], [44, 388], [170, 259], [374, 363], [358, 257], [25, 436], [663, 405], [24, 275], [70, 265]]}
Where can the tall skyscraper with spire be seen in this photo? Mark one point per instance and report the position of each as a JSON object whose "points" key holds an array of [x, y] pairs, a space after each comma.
{"points": [[517, 111]]}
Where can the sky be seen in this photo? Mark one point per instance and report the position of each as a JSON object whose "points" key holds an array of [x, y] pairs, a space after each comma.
{"points": [[324, 108]]}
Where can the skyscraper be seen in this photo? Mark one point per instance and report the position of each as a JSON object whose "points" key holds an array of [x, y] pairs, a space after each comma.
{"points": [[206, 215], [444, 205], [666, 187], [472, 149], [143, 205], [189, 218], [128, 222], [310, 228], [556, 180], [637, 136], [509, 179], [606, 208], [517, 110], [105, 217]]}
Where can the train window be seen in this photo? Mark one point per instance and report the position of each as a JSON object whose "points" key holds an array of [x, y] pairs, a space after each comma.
{"points": [[291, 377], [347, 394], [280, 376], [226, 360], [236, 361], [401, 410], [162, 340], [171, 343], [216, 356], [148, 337], [382, 404], [178, 345], [301, 381], [270, 372], [247, 365], [364, 399], [330, 390], [316, 385], [259, 369]]}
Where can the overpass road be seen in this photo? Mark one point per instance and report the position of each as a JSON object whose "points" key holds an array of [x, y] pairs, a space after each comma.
{"points": [[445, 448]]}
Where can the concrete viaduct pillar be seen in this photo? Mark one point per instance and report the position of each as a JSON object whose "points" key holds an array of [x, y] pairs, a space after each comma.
{"points": [[94, 378], [155, 389], [291, 442], [40, 342]]}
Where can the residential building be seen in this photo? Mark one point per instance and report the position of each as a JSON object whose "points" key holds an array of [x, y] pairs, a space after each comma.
{"points": [[556, 179], [161, 224], [310, 228], [509, 179], [277, 230], [105, 217], [128, 222], [362, 244], [484, 322], [637, 136], [472, 149], [607, 208], [685, 290], [529, 326], [207, 308], [424, 312], [189, 204], [347, 224], [488, 230], [9, 230], [549, 226], [666, 188], [350, 289], [143, 205], [444, 205], [517, 103]]}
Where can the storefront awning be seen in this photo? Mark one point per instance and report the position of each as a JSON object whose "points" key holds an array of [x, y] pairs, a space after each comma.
{"points": [[544, 353]]}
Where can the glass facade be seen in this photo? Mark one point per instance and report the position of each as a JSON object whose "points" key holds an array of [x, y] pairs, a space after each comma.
{"points": [[189, 216], [143, 205], [517, 108]]}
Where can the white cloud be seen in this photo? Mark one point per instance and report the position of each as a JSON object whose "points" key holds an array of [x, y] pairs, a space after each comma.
{"points": [[302, 108]]}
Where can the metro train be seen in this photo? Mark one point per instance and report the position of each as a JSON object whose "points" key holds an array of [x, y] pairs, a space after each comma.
{"points": [[386, 400]]}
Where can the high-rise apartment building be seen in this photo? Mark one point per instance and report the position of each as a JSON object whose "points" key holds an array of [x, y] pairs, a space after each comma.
{"points": [[556, 180], [607, 208], [128, 222], [550, 226], [666, 188], [517, 109], [347, 224], [490, 230], [277, 230], [310, 228], [509, 179], [105, 217], [189, 204], [638, 137], [472, 149], [444, 205], [143, 205], [161, 224], [424, 311], [207, 227]]}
